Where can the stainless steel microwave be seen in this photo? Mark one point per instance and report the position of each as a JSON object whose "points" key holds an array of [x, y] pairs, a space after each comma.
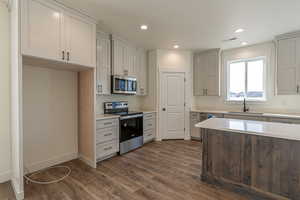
{"points": [[124, 85]]}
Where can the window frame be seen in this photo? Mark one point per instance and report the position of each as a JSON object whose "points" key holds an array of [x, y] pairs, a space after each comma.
{"points": [[247, 60]]}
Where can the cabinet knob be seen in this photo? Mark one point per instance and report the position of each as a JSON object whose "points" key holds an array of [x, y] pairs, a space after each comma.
{"points": [[63, 55]]}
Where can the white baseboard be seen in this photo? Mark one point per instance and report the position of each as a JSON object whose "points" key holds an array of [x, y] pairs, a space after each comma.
{"points": [[19, 194], [88, 161], [187, 138], [50, 162], [5, 176]]}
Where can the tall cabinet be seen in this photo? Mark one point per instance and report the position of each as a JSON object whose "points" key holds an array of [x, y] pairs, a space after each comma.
{"points": [[207, 73], [288, 64]]}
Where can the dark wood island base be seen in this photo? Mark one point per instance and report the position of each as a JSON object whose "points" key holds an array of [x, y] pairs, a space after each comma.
{"points": [[257, 166]]}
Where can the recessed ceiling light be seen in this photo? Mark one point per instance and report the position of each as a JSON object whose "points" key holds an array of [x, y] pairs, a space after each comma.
{"points": [[240, 30], [176, 46], [144, 27], [244, 43]]}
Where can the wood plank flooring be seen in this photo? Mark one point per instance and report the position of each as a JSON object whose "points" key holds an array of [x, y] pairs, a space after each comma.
{"points": [[168, 170]]}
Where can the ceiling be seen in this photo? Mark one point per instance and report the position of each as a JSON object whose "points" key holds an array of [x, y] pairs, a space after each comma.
{"points": [[193, 24]]}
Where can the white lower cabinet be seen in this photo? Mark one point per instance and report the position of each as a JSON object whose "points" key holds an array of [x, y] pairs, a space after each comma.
{"points": [[107, 138], [149, 126]]}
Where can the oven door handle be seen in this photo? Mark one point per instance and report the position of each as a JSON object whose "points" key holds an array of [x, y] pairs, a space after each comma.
{"points": [[131, 116]]}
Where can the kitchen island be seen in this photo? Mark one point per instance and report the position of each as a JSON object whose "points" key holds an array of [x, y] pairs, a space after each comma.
{"points": [[260, 159]]}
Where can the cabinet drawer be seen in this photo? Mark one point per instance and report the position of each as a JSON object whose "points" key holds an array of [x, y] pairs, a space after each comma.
{"points": [[149, 116], [106, 123], [107, 149], [149, 135], [106, 134], [149, 124]]}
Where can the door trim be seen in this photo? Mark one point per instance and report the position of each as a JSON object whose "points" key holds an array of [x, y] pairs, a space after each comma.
{"points": [[160, 135]]}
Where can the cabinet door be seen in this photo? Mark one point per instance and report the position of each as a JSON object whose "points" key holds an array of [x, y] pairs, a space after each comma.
{"points": [[42, 29], [118, 54], [81, 40], [200, 63], [103, 65], [142, 73], [212, 74], [126, 59], [132, 62], [287, 66]]}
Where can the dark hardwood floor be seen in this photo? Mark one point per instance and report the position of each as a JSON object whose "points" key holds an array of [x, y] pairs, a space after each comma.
{"points": [[168, 170]]}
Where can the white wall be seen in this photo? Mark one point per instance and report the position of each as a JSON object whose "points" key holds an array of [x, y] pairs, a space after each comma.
{"points": [[5, 152], [50, 117], [286, 104]]}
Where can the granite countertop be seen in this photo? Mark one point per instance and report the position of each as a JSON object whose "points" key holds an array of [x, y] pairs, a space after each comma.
{"points": [[255, 114], [260, 128]]}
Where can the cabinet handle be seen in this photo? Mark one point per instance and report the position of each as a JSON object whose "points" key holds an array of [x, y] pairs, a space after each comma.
{"points": [[63, 55], [108, 123], [108, 148], [298, 88], [109, 134], [68, 56]]}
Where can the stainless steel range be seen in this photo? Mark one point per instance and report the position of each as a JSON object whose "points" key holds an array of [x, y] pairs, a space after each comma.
{"points": [[131, 125]]}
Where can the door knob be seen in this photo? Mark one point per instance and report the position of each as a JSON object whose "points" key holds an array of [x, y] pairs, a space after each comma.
{"points": [[164, 109]]}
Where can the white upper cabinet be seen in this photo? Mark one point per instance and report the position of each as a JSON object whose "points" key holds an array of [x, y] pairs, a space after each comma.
{"points": [[117, 59], [288, 66], [51, 31], [42, 29], [207, 73], [142, 70], [124, 58], [81, 40], [103, 64]]}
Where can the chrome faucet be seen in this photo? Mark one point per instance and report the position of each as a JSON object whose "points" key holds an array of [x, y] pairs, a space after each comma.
{"points": [[245, 109]]}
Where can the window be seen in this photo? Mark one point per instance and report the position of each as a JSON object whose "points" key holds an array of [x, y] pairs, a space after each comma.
{"points": [[246, 79]]}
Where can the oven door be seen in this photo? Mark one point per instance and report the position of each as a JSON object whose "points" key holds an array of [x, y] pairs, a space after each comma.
{"points": [[131, 127]]}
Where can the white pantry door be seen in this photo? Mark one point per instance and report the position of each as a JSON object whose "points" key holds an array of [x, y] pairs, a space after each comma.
{"points": [[172, 104]]}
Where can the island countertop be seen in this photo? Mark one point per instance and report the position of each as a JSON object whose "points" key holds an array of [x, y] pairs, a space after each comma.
{"points": [[260, 128]]}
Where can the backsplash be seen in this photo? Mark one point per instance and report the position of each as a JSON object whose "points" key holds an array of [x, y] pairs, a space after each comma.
{"points": [[133, 101]]}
